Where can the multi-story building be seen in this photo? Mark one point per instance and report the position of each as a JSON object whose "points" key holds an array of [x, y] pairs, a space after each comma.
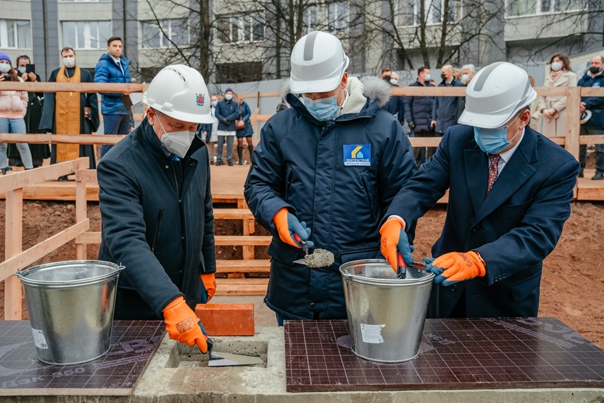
{"points": [[251, 40]]}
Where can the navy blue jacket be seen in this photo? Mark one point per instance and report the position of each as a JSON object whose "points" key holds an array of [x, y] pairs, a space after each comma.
{"points": [[419, 109], [246, 112], [446, 109], [513, 228], [157, 220], [228, 110], [107, 71], [307, 167], [594, 104], [395, 106]]}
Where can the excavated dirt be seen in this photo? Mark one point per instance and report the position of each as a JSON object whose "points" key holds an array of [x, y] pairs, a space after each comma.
{"points": [[572, 287]]}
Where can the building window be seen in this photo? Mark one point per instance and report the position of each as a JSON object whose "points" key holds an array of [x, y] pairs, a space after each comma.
{"points": [[408, 13], [309, 19], [241, 29], [338, 16], [239, 72], [15, 34], [517, 8], [86, 34], [176, 30]]}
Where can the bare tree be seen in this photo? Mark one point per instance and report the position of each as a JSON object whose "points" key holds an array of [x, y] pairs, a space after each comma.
{"points": [[184, 37], [571, 26], [437, 32]]}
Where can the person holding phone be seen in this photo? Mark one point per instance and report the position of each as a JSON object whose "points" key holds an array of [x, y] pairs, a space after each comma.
{"points": [[39, 152], [13, 105]]}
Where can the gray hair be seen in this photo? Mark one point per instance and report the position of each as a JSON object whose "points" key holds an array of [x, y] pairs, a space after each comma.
{"points": [[470, 67]]}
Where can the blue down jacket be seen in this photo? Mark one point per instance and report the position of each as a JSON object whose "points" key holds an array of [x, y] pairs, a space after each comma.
{"points": [[157, 221], [228, 110], [107, 71], [339, 177]]}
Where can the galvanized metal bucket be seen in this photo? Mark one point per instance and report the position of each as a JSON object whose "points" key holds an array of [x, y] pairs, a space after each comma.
{"points": [[70, 307], [386, 314]]}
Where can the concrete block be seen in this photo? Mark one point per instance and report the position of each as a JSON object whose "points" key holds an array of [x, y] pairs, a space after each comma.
{"points": [[227, 319]]}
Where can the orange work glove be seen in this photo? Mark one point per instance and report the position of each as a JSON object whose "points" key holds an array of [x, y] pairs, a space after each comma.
{"points": [[287, 225], [457, 266], [209, 282], [183, 325], [394, 238]]}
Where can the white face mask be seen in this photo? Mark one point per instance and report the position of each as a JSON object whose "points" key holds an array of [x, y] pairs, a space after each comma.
{"points": [[228, 97], [5, 68], [393, 81], [69, 61], [556, 66], [176, 142], [465, 78], [22, 69], [427, 77]]}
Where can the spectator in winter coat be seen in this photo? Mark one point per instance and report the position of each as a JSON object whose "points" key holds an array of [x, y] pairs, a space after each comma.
{"points": [[113, 68], [209, 131], [227, 111], [246, 133], [418, 111], [445, 109], [594, 77], [13, 106], [395, 105]]}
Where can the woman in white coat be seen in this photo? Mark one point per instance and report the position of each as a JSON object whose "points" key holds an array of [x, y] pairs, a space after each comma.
{"points": [[553, 108]]}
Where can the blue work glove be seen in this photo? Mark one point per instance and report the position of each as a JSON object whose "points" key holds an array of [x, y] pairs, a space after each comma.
{"points": [[288, 226], [395, 239]]}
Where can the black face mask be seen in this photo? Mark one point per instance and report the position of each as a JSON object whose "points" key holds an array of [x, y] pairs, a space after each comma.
{"points": [[387, 78], [444, 77], [594, 70]]}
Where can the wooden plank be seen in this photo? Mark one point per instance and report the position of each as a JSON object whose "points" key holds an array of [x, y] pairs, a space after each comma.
{"points": [[243, 266], [241, 240], [237, 286], [35, 176], [81, 249], [232, 214], [13, 242], [37, 252], [61, 138]]}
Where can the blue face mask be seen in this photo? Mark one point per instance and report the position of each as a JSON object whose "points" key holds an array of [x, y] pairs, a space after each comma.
{"points": [[323, 109], [492, 141], [214, 103]]}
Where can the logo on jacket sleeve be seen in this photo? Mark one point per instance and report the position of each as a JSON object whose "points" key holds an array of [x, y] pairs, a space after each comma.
{"points": [[357, 155]]}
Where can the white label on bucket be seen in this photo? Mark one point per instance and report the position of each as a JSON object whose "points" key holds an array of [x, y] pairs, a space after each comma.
{"points": [[372, 334], [39, 339]]}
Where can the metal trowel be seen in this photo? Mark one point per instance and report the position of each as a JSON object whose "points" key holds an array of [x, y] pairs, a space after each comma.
{"points": [[219, 359], [304, 247]]}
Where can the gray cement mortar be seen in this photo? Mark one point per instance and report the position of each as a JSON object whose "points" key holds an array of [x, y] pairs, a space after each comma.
{"points": [[319, 258]]}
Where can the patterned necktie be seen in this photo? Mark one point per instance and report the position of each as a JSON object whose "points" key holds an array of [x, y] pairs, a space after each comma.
{"points": [[493, 171]]}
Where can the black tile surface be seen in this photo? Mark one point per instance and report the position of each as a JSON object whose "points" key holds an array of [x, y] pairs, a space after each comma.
{"points": [[489, 353], [132, 346]]}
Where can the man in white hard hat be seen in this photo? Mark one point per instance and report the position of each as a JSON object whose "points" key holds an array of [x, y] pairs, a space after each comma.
{"points": [[331, 163], [510, 190], [156, 208]]}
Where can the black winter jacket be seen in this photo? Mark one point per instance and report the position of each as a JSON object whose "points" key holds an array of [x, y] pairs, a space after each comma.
{"points": [[157, 221], [594, 104], [419, 109]]}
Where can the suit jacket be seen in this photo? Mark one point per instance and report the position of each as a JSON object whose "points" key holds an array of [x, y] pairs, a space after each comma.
{"points": [[513, 228]]}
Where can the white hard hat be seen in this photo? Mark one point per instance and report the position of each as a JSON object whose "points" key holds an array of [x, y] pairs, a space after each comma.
{"points": [[318, 63], [180, 92], [495, 94]]}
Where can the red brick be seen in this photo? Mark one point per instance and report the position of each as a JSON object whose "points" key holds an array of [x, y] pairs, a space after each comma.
{"points": [[227, 319]]}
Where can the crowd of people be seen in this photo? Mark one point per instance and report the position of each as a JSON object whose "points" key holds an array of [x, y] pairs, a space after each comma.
{"points": [[427, 116], [334, 170]]}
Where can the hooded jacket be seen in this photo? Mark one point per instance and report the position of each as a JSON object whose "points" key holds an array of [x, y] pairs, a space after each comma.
{"points": [[157, 221], [107, 71], [337, 176]]}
